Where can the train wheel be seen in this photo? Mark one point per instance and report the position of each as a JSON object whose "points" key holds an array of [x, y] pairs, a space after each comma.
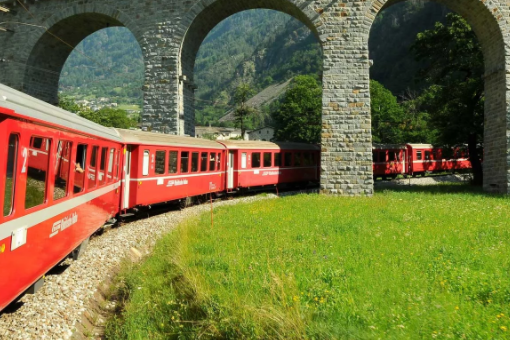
{"points": [[201, 199], [185, 203], [75, 254], [36, 286]]}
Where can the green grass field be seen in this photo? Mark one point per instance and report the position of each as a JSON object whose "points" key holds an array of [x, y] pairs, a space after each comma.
{"points": [[420, 264]]}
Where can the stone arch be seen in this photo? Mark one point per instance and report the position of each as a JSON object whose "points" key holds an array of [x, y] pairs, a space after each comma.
{"points": [[62, 32], [202, 18], [489, 24]]}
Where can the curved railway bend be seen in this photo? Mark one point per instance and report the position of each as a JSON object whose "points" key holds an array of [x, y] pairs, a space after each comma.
{"points": [[59, 310], [63, 307]]}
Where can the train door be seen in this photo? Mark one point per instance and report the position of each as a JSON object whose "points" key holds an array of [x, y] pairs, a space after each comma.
{"points": [[127, 178], [410, 165], [403, 158], [230, 170]]}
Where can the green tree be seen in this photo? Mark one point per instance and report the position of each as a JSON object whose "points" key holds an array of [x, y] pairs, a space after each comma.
{"points": [[243, 110], [298, 115], [68, 104], [394, 122], [387, 115], [109, 117], [417, 127], [455, 97]]}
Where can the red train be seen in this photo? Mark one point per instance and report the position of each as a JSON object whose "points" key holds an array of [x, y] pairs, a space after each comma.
{"points": [[62, 177], [391, 160]]}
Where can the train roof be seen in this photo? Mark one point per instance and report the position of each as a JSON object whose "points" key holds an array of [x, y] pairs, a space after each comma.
{"points": [[30, 107], [388, 146], [421, 146], [151, 138], [252, 145]]}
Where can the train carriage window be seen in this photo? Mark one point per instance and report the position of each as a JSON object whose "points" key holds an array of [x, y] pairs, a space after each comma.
{"points": [[314, 162], [267, 159], [93, 157], [307, 159], [110, 165], [10, 178], [160, 162], [203, 161], [277, 159], [244, 160], [117, 161], [102, 166], [212, 161], [79, 165], [145, 165], [194, 162], [92, 168], [447, 153], [297, 159], [36, 142], [436, 154], [62, 167], [427, 155], [172, 162], [37, 177], [391, 156], [418, 155], [287, 159], [184, 161], [218, 161], [255, 160]]}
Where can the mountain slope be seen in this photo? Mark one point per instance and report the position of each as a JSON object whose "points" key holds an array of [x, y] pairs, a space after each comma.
{"points": [[247, 47]]}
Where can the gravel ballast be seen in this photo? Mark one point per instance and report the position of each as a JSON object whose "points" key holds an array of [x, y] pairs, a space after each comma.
{"points": [[428, 180], [54, 311]]}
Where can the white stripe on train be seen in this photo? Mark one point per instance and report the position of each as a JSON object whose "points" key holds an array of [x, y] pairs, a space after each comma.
{"points": [[214, 173], [37, 217]]}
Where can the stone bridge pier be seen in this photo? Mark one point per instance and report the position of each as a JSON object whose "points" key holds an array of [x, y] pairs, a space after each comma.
{"points": [[42, 33]]}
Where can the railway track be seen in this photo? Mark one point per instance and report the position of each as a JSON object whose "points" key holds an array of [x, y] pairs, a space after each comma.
{"points": [[426, 180]]}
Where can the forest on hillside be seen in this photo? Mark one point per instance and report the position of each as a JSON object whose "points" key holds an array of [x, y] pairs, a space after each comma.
{"points": [[247, 48]]}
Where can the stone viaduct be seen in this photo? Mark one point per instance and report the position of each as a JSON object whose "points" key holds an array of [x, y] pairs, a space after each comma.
{"points": [[41, 34]]}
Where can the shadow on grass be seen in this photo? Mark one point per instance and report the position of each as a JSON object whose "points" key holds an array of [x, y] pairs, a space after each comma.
{"points": [[437, 189]]}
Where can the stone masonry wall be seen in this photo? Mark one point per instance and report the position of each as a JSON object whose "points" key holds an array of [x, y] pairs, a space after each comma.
{"points": [[170, 33]]}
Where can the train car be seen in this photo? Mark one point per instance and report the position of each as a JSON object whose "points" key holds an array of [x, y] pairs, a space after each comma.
{"points": [[425, 158], [389, 160], [162, 168], [59, 183], [257, 164]]}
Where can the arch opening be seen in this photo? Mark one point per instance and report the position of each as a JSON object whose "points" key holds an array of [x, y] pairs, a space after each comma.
{"points": [[484, 22], [47, 58], [105, 70], [202, 24]]}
